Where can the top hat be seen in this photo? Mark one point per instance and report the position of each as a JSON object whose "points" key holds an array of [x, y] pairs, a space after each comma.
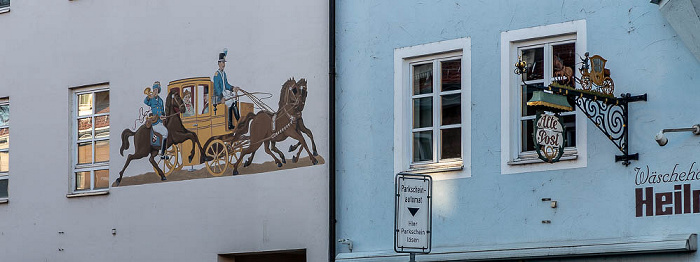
{"points": [[222, 55]]}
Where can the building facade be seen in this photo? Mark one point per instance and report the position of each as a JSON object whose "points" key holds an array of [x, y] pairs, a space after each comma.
{"points": [[431, 88], [92, 87]]}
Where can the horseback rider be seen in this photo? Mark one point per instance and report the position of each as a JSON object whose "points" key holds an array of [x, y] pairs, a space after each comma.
{"points": [[154, 101], [225, 92]]}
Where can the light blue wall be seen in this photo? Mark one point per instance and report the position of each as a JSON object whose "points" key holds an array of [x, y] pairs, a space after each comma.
{"points": [[644, 55]]}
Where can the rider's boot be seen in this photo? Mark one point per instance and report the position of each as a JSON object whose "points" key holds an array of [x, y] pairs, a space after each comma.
{"points": [[162, 149], [233, 112]]}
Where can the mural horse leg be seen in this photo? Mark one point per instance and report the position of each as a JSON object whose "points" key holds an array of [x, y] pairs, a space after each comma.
{"points": [[142, 148], [302, 128]]}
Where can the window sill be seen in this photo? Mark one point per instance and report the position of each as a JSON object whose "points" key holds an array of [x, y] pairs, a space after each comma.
{"points": [[526, 161], [86, 194], [436, 168], [4, 10], [4, 201]]}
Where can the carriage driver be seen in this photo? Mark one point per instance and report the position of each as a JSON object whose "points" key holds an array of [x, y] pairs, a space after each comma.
{"points": [[224, 92], [157, 110]]}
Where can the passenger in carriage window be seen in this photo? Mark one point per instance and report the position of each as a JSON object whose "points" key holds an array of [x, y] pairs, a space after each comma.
{"points": [[189, 102]]}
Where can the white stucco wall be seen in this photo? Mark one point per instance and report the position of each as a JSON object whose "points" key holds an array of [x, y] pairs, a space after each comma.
{"points": [[47, 47]]}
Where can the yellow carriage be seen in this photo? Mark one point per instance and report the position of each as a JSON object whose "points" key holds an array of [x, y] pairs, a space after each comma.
{"points": [[209, 122]]}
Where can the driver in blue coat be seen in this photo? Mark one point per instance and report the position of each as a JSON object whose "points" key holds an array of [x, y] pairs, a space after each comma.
{"points": [[225, 92]]}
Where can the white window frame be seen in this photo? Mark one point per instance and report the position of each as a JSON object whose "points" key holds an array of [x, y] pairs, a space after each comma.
{"points": [[403, 59], [5, 9], [5, 175], [511, 158], [75, 167]]}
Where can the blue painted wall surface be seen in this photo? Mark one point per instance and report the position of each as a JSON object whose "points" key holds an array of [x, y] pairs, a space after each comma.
{"points": [[645, 56]]}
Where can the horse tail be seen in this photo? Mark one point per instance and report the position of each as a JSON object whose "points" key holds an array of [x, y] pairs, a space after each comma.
{"points": [[125, 140], [242, 126]]}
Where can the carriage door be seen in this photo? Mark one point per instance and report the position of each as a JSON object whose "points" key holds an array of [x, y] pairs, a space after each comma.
{"points": [[203, 112], [189, 118]]}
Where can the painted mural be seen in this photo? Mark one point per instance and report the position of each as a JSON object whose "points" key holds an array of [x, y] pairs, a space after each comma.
{"points": [[210, 126]]}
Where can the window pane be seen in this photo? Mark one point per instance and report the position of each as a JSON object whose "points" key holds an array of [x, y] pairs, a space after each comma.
{"points": [[527, 92], [527, 142], [102, 126], [451, 75], [4, 3], [570, 134], [564, 63], [84, 104], [188, 99], [82, 180], [85, 153], [422, 79], [4, 115], [423, 146], [203, 102], [84, 128], [101, 179], [451, 109], [422, 112], [4, 138], [102, 151], [535, 63], [4, 161], [3, 188], [102, 102], [451, 143]]}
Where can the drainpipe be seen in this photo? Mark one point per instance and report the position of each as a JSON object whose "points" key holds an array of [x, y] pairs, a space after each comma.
{"points": [[331, 131]]}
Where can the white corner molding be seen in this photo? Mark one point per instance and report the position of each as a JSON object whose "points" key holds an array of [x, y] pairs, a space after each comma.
{"points": [[562, 249], [682, 15]]}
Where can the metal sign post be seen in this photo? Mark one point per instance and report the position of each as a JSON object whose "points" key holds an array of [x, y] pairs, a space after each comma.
{"points": [[413, 214]]}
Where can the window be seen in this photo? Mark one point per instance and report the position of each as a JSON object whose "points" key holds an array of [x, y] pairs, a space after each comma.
{"points": [[545, 49], [4, 6], [432, 125], [4, 148], [91, 139]]}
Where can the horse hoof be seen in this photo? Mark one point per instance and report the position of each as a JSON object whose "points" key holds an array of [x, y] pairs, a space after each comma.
{"points": [[163, 178], [247, 163], [294, 159], [284, 161], [279, 164], [235, 172], [315, 153], [291, 148], [119, 180], [314, 161]]}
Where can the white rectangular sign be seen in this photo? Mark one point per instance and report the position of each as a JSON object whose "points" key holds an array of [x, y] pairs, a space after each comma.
{"points": [[413, 214]]}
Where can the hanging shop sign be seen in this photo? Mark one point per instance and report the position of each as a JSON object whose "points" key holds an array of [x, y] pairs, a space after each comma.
{"points": [[595, 98], [413, 213], [549, 137]]}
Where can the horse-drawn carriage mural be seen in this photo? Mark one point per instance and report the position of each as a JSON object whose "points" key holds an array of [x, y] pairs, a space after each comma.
{"points": [[197, 127]]}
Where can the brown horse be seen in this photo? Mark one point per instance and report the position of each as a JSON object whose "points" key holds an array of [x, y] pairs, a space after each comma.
{"points": [[176, 135], [562, 71], [300, 123], [266, 128]]}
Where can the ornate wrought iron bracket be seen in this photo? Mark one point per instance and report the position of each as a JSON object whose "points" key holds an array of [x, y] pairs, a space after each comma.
{"points": [[609, 114]]}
